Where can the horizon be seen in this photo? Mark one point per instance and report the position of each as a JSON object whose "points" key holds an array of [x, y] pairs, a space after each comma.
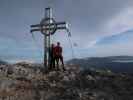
{"points": [[40, 62], [98, 28]]}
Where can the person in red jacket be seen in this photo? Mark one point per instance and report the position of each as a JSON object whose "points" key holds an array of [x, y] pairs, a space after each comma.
{"points": [[58, 55]]}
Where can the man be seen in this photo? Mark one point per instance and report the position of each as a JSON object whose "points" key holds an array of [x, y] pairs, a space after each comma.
{"points": [[58, 55], [52, 58]]}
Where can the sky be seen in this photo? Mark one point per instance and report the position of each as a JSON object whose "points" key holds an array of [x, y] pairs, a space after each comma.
{"points": [[98, 28]]}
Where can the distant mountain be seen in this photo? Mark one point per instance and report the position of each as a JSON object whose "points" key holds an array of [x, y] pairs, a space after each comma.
{"points": [[113, 63], [2, 62]]}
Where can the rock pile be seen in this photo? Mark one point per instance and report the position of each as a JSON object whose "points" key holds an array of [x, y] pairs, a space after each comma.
{"points": [[25, 82]]}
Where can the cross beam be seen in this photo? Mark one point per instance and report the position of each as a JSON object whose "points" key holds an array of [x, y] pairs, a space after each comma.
{"points": [[60, 26], [48, 27]]}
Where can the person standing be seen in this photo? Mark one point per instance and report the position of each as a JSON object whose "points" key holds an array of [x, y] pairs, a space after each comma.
{"points": [[52, 57], [58, 55]]}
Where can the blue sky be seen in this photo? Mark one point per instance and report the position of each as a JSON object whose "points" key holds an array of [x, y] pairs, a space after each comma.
{"points": [[124, 37], [98, 27]]}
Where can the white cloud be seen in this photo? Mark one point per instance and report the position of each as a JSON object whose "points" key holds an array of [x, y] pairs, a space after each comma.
{"points": [[116, 25], [121, 22], [90, 20]]}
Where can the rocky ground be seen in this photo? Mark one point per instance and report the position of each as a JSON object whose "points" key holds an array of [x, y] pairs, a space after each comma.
{"points": [[27, 82]]}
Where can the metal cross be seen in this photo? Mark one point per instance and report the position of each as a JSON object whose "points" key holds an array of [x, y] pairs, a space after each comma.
{"points": [[48, 27]]}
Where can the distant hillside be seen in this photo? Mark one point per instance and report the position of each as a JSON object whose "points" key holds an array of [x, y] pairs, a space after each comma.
{"points": [[3, 62], [114, 63]]}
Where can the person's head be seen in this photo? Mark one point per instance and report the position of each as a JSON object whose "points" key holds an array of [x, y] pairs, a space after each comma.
{"points": [[58, 43]]}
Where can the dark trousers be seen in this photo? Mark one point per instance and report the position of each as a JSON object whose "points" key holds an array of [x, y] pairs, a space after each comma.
{"points": [[57, 59], [52, 63]]}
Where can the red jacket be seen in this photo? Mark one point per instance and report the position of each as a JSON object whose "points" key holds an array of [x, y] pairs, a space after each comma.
{"points": [[58, 51]]}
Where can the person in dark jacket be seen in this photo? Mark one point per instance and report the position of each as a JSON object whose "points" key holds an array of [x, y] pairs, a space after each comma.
{"points": [[52, 57]]}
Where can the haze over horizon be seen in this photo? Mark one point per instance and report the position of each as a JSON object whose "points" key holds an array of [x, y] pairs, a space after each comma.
{"points": [[98, 27]]}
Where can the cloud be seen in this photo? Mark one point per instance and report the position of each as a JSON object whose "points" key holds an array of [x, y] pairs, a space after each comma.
{"points": [[118, 44], [124, 37], [90, 21]]}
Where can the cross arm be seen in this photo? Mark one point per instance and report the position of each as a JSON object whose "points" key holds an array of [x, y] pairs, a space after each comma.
{"points": [[39, 25], [59, 26], [38, 29]]}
